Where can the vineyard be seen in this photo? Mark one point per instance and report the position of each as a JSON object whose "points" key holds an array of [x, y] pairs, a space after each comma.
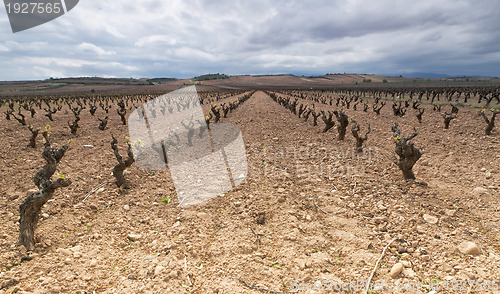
{"points": [[344, 184]]}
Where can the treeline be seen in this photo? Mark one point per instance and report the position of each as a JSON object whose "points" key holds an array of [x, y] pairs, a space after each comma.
{"points": [[161, 80], [207, 77]]}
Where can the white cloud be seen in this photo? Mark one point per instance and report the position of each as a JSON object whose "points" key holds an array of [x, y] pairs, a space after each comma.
{"points": [[155, 40], [91, 48]]}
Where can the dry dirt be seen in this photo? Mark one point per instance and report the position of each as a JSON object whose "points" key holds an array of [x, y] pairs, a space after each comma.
{"points": [[310, 210]]}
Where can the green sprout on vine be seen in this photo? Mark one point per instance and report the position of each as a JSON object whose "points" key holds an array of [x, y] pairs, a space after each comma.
{"points": [[166, 200], [137, 142]]}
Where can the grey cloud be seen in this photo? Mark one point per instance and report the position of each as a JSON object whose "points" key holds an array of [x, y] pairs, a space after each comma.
{"points": [[186, 38]]}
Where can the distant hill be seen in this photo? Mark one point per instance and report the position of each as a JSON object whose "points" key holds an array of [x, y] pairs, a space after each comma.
{"points": [[96, 85], [425, 75]]}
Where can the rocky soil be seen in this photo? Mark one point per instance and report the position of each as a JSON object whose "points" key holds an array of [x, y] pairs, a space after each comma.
{"points": [[311, 210]]}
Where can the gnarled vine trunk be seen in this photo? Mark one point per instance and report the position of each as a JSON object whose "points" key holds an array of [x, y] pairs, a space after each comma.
{"points": [[29, 210], [408, 154]]}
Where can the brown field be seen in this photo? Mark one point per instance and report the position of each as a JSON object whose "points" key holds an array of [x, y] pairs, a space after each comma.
{"points": [[83, 86], [329, 212]]}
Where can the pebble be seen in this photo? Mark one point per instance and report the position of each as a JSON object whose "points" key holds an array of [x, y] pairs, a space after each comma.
{"points": [[134, 237], [87, 278], [76, 248], [380, 219], [126, 207], [159, 270], [302, 263], [203, 215], [408, 272], [447, 268], [396, 270], [479, 190], [151, 257], [45, 215], [381, 207], [471, 276], [405, 263], [481, 273], [469, 248], [430, 219], [449, 212], [281, 190], [65, 251]]}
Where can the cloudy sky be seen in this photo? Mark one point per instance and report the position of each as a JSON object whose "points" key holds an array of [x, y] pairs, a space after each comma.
{"points": [[186, 38]]}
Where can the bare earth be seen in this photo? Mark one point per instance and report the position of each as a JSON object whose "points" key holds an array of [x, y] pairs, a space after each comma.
{"points": [[329, 212]]}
